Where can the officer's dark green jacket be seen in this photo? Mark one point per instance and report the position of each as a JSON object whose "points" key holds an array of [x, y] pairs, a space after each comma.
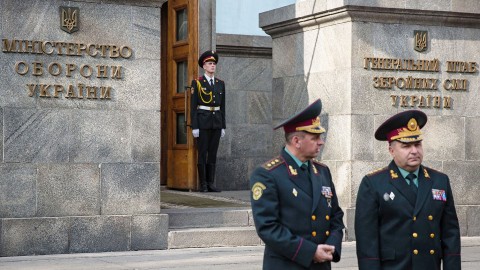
{"points": [[396, 232], [293, 216]]}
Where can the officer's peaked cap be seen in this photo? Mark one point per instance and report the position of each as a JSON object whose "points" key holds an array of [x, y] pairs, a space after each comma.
{"points": [[307, 120], [207, 56], [404, 127]]}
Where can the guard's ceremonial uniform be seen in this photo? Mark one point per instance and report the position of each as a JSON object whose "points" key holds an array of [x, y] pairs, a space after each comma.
{"points": [[207, 113], [295, 208], [211, 114], [397, 229]]}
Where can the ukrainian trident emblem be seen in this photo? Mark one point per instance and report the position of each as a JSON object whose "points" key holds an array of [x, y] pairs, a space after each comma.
{"points": [[420, 39], [69, 17]]}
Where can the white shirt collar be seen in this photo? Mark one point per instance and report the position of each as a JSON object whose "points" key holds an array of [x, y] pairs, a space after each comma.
{"points": [[208, 78]]}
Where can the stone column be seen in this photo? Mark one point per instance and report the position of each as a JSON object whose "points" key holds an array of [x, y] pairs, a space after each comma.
{"points": [[319, 51]]}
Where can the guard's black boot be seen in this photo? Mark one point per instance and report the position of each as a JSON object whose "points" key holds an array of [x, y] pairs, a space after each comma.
{"points": [[211, 178], [202, 177]]}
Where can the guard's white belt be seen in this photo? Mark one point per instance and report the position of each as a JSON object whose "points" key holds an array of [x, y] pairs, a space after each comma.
{"points": [[207, 108]]}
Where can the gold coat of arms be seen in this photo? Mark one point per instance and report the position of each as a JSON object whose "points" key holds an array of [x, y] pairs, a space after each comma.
{"points": [[69, 19], [420, 40]]}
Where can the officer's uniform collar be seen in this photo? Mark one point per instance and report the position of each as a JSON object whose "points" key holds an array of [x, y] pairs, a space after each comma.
{"points": [[297, 161]]}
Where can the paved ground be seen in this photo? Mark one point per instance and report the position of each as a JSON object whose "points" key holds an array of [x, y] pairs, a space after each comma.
{"points": [[231, 258], [217, 258]]}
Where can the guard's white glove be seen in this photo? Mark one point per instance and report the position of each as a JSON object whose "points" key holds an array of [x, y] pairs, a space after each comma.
{"points": [[196, 133], [223, 133]]}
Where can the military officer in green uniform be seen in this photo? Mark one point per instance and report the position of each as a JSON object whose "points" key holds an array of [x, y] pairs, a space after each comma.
{"points": [[294, 203], [207, 114], [405, 215]]}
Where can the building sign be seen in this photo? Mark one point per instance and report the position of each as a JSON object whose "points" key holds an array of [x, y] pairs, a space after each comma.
{"points": [[84, 76], [429, 86]]}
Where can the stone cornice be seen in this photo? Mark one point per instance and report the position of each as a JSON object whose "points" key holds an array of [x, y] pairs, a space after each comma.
{"points": [[373, 14], [244, 51]]}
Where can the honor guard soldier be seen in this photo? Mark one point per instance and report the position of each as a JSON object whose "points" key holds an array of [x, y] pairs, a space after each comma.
{"points": [[405, 215], [207, 110], [294, 203]]}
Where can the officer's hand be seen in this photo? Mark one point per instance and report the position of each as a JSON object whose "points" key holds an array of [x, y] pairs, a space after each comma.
{"points": [[195, 133], [223, 132], [324, 253]]}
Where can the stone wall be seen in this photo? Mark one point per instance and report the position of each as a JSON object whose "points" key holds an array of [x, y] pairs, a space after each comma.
{"points": [[246, 67], [80, 174], [319, 49]]}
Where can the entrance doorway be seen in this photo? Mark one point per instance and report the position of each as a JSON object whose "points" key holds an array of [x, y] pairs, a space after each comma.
{"points": [[179, 46]]}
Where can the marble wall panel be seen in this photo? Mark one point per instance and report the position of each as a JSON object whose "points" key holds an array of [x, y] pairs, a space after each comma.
{"points": [[99, 234], [341, 172], [38, 236], [36, 135], [333, 88], [338, 138], [288, 56], [130, 189], [18, 190], [473, 219], [1, 133], [464, 181], [327, 48], [207, 27], [469, 6], [236, 107], [145, 32], [101, 136], [149, 232], [141, 90], [245, 74], [145, 136], [444, 138], [232, 174], [251, 140], [472, 138], [259, 108], [68, 190], [462, 218], [362, 133]]}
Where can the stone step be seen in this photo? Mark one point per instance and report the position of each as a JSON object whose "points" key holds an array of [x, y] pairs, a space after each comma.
{"points": [[208, 218], [213, 237]]}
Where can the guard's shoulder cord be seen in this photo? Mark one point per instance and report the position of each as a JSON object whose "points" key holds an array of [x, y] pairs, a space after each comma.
{"points": [[202, 92]]}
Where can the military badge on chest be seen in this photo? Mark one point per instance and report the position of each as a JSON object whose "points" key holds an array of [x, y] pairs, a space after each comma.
{"points": [[327, 192], [388, 197]]}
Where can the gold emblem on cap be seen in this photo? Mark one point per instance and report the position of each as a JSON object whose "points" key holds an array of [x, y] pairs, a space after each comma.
{"points": [[412, 124], [257, 190], [314, 127]]}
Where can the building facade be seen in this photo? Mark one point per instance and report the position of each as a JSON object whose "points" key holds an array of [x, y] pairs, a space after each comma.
{"points": [[94, 94]]}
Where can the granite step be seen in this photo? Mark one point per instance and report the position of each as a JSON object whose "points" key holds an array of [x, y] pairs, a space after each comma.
{"points": [[213, 237], [207, 227], [208, 217]]}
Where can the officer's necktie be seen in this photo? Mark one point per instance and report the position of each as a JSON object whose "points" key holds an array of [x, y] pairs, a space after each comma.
{"points": [[305, 169], [412, 177], [211, 82]]}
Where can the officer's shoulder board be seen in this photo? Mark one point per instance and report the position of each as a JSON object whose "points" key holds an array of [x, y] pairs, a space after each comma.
{"points": [[316, 161], [376, 171], [273, 163]]}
